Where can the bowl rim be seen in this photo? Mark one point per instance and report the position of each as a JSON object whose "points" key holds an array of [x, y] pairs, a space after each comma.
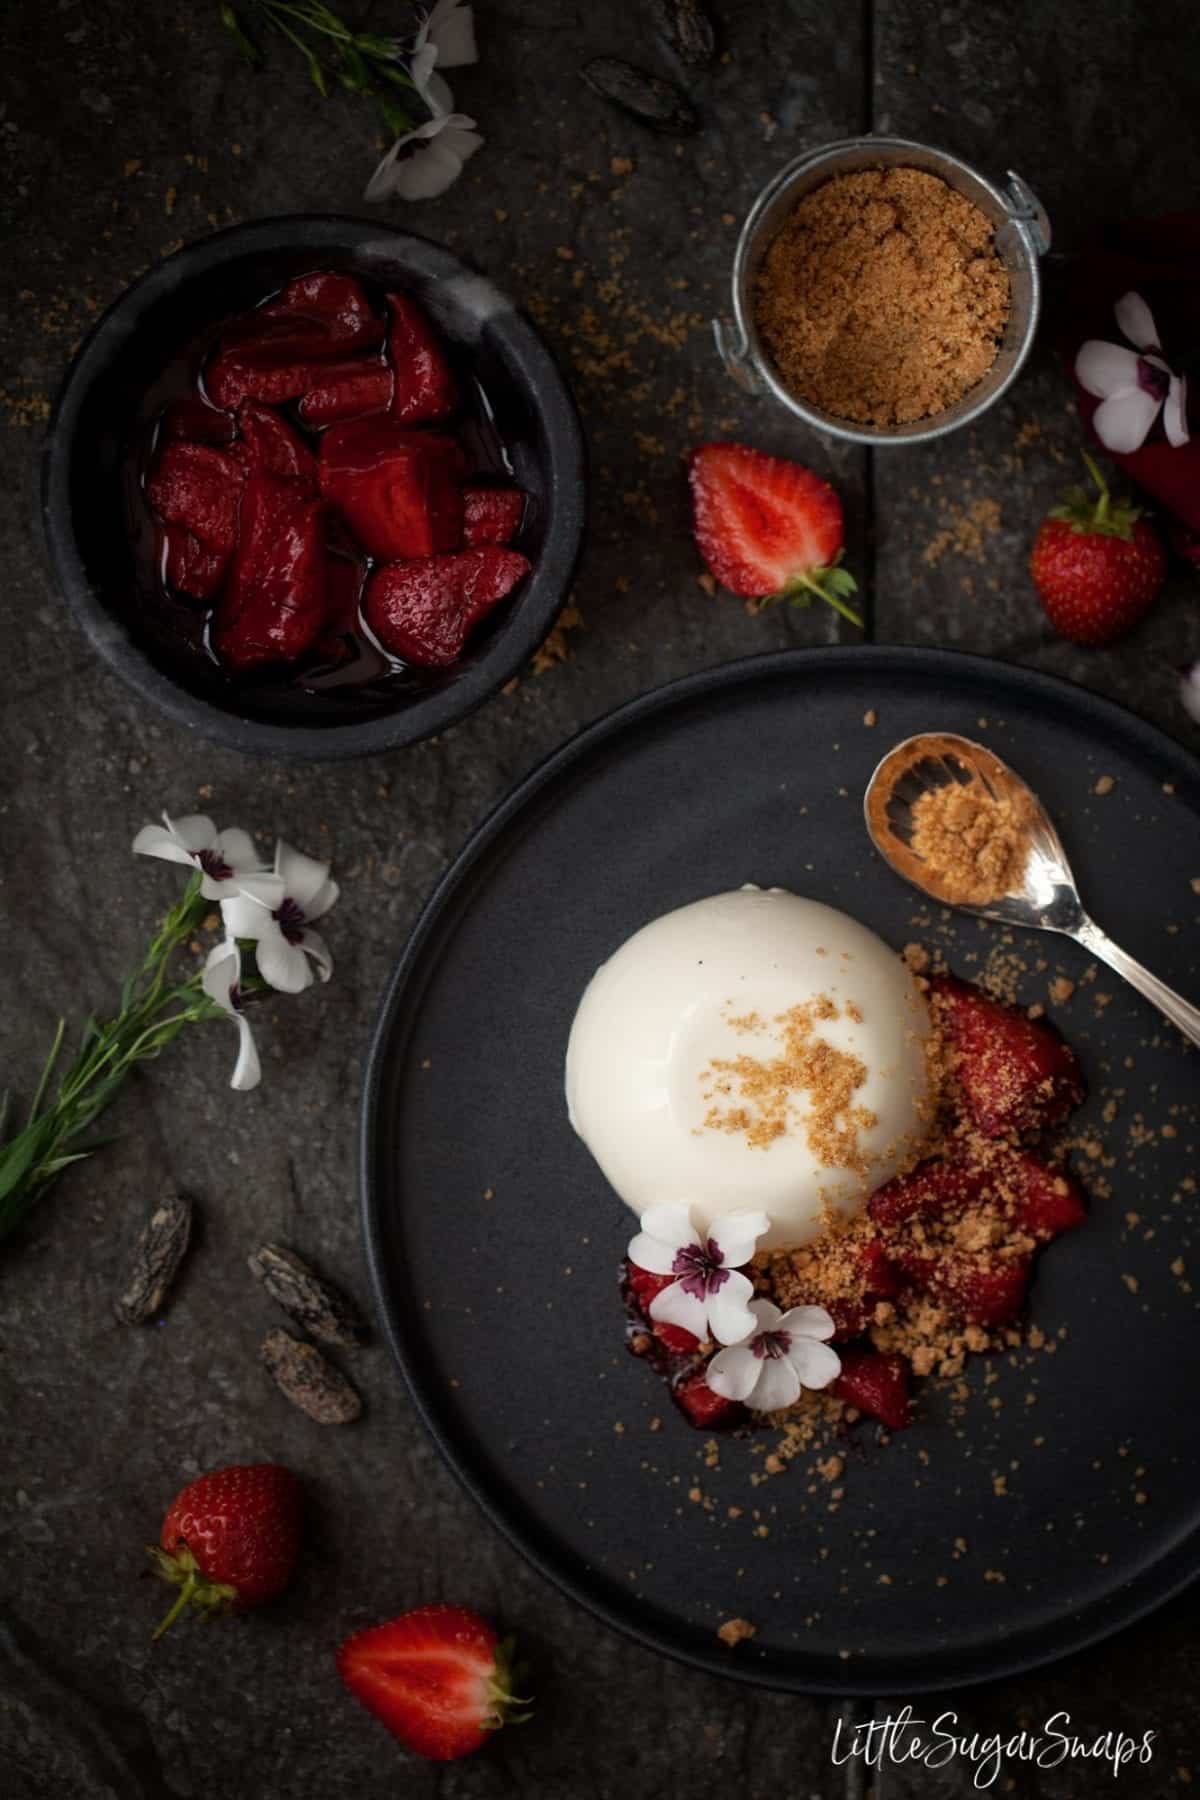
{"points": [[537, 607], [873, 437]]}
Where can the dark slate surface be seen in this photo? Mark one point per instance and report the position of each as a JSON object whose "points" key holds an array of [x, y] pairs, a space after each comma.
{"points": [[126, 129]]}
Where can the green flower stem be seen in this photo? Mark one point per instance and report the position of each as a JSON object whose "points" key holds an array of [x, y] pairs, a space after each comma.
{"points": [[154, 1008]]}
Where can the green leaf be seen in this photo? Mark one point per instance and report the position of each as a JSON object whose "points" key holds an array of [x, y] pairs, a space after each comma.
{"points": [[245, 43], [394, 116]]}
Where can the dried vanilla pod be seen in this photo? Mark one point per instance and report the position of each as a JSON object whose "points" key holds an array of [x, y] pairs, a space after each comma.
{"points": [[160, 1248], [646, 98], [687, 28], [309, 1380], [316, 1305]]}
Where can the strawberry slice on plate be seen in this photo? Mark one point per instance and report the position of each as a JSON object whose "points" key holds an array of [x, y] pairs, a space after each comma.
{"points": [[438, 1677], [769, 528], [877, 1384], [1016, 1074]]}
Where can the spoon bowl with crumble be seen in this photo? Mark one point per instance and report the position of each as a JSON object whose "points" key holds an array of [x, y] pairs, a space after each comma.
{"points": [[954, 820]]}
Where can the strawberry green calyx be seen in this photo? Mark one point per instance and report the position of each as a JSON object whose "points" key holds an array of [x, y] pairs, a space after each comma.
{"points": [[1101, 515], [502, 1702], [196, 1592], [833, 584]]}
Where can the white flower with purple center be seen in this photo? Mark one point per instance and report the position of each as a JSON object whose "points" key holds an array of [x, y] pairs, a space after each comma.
{"points": [[1133, 386], [709, 1296], [220, 981], [276, 912], [222, 857], [786, 1352]]}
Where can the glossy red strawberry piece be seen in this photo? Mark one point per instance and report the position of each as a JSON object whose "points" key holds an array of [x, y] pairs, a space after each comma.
{"points": [[876, 1384], [273, 607], [644, 1285], [492, 514], [193, 420], [426, 388], [930, 1190], [880, 1274], [982, 1288], [1016, 1074], [195, 489], [323, 308], [267, 445], [189, 565], [347, 390], [258, 373], [399, 491], [704, 1409], [1047, 1200], [422, 610]]}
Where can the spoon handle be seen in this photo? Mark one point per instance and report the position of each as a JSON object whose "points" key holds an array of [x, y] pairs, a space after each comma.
{"points": [[1177, 1009]]}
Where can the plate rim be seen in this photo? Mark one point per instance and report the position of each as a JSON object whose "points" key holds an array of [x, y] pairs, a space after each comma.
{"points": [[1150, 1593]]}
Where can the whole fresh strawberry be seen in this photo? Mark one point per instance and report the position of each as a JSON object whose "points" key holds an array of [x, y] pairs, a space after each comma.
{"points": [[230, 1539], [769, 528], [438, 1677], [1097, 564]]}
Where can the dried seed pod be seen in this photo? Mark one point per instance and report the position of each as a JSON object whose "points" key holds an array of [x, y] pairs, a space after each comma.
{"points": [[309, 1380], [687, 28], [646, 98], [160, 1248], [315, 1304]]}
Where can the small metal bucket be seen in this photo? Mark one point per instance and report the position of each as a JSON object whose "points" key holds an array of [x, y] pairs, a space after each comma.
{"points": [[1022, 235]]}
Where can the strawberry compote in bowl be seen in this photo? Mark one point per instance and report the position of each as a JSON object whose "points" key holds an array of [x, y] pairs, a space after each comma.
{"points": [[314, 487]]}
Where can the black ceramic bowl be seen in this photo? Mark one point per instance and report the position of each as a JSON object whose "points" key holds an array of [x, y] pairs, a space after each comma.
{"points": [[102, 408]]}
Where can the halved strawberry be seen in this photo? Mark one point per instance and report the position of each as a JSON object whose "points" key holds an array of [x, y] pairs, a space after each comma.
{"points": [[399, 491], [425, 385], [704, 1409], [438, 1677], [422, 610], [492, 514], [644, 1285], [326, 310], [1016, 1074], [981, 1288], [876, 1384], [769, 528]]}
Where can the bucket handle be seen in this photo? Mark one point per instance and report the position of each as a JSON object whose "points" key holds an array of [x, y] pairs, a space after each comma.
{"points": [[1026, 209]]}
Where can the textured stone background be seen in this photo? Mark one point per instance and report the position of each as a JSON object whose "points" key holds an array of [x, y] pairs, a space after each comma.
{"points": [[127, 128]]}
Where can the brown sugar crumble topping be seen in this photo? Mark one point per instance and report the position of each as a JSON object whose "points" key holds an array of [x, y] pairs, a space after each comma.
{"points": [[974, 844], [736, 1631], [882, 298], [760, 1097]]}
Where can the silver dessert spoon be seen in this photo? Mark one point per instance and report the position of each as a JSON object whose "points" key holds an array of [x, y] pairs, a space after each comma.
{"points": [[1042, 894]]}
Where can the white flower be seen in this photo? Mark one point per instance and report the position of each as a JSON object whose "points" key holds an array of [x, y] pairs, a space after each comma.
{"points": [[446, 39], [222, 973], [1189, 691], [276, 910], [223, 857], [787, 1352], [444, 143], [1133, 386], [710, 1297]]}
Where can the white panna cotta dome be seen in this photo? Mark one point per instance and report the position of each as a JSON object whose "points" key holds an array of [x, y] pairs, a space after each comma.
{"points": [[752, 1050]]}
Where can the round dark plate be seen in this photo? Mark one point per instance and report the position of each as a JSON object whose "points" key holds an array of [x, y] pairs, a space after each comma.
{"points": [[1049, 1502]]}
